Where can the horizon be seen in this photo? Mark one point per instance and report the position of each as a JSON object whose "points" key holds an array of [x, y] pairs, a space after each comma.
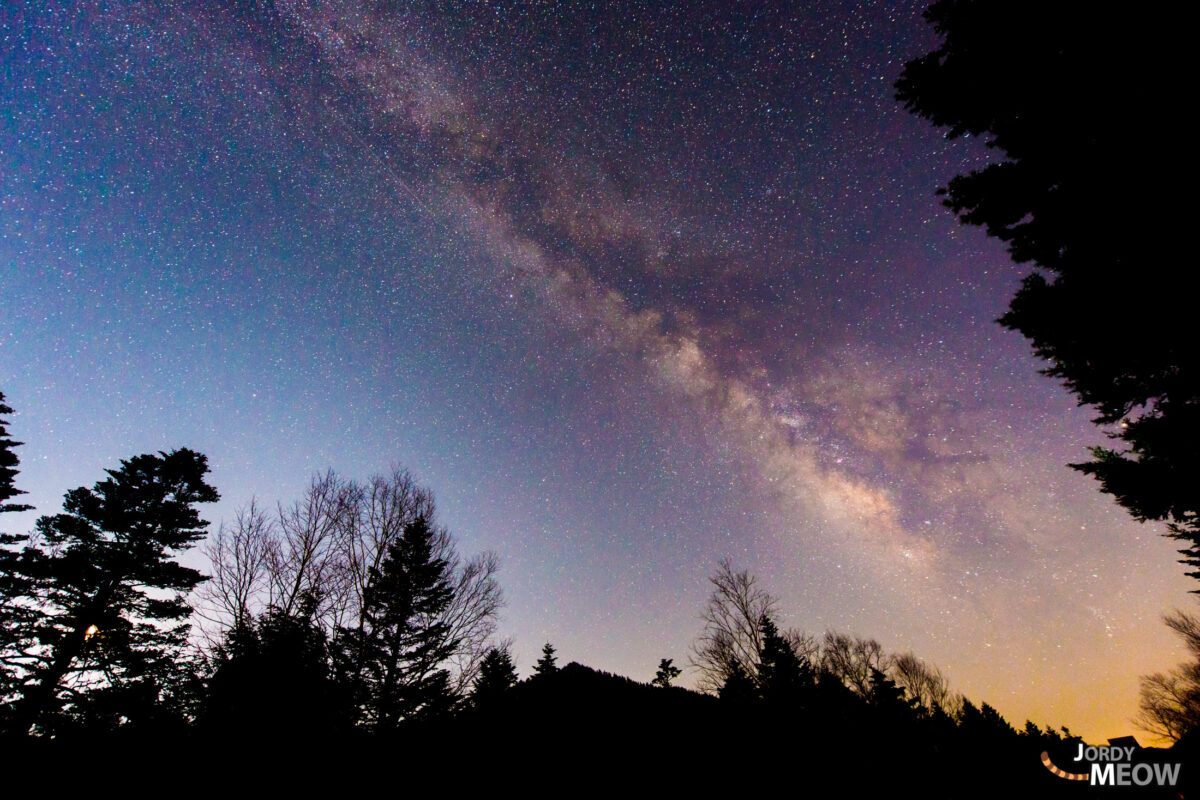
{"points": [[627, 298]]}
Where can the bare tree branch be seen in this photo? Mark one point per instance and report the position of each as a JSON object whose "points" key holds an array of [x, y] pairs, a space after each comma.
{"points": [[238, 556], [330, 546], [1170, 702], [304, 560], [472, 616], [731, 638], [921, 682], [850, 659]]}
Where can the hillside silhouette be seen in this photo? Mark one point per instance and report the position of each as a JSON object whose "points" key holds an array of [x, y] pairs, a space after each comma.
{"points": [[349, 624]]}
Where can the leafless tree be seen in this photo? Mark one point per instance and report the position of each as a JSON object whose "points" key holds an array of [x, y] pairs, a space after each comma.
{"points": [[804, 645], [238, 556], [329, 546], [382, 509], [1188, 627], [307, 559], [920, 681], [954, 705], [373, 520], [850, 659], [1170, 702], [472, 614], [731, 638]]}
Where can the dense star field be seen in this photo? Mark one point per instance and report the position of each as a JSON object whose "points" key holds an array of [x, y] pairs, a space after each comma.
{"points": [[631, 287]]}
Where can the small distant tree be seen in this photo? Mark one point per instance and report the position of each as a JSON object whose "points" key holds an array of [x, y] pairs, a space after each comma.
{"points": [[886, 695], [496, 676], [547, 663], [667, 672], [923, 683], [103, 603], [984, 724]]}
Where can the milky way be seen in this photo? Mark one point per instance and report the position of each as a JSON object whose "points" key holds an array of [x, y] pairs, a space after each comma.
{"points": [[631, 287]]}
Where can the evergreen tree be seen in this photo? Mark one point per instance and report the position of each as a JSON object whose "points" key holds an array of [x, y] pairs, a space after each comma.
{"points": [[13, 614], [887, 696], [8, 467], [983, 724], [394, 662], [546, 664], [782, 675], [496, 676], [667, 672], [1072, 195], [739, 687], [102, 605], [272, 675]]}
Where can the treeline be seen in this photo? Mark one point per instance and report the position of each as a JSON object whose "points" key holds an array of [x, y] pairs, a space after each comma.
{"points": [[366, 597], [350, 611], [351, 616]]}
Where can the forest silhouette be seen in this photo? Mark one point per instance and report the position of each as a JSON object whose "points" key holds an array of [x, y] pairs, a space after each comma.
{"points": [[349, 620]]}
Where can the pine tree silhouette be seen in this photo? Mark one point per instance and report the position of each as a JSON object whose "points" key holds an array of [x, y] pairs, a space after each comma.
{"points": [[109, 607], [547, 663], [395, 662]]}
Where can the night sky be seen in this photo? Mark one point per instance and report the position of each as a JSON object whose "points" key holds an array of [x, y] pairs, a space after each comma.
{"points": [[631, 287]]}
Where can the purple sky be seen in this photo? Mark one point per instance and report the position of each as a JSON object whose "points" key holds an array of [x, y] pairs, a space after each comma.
{"points": [[630, 287]]}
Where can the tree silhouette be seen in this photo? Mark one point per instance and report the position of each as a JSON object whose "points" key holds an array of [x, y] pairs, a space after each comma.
{"points": [[1107, 306], [782, 676], [546, 664], [8, 465], [739, 687], [732, 638], [105, 605], [922, 683], [395, 659], [886, 695], [271, 677], [851, 660], [667, 672], [496, 676], [331, 545], [1170, 702], [15, 615]]}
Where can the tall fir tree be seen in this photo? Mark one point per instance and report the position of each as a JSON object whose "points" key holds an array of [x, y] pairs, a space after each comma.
{"points": [[547, 663], [8, 465], [103, 604], [782, 675], [14, 614], [497, 675], [1081, 162], [394, 661]]}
